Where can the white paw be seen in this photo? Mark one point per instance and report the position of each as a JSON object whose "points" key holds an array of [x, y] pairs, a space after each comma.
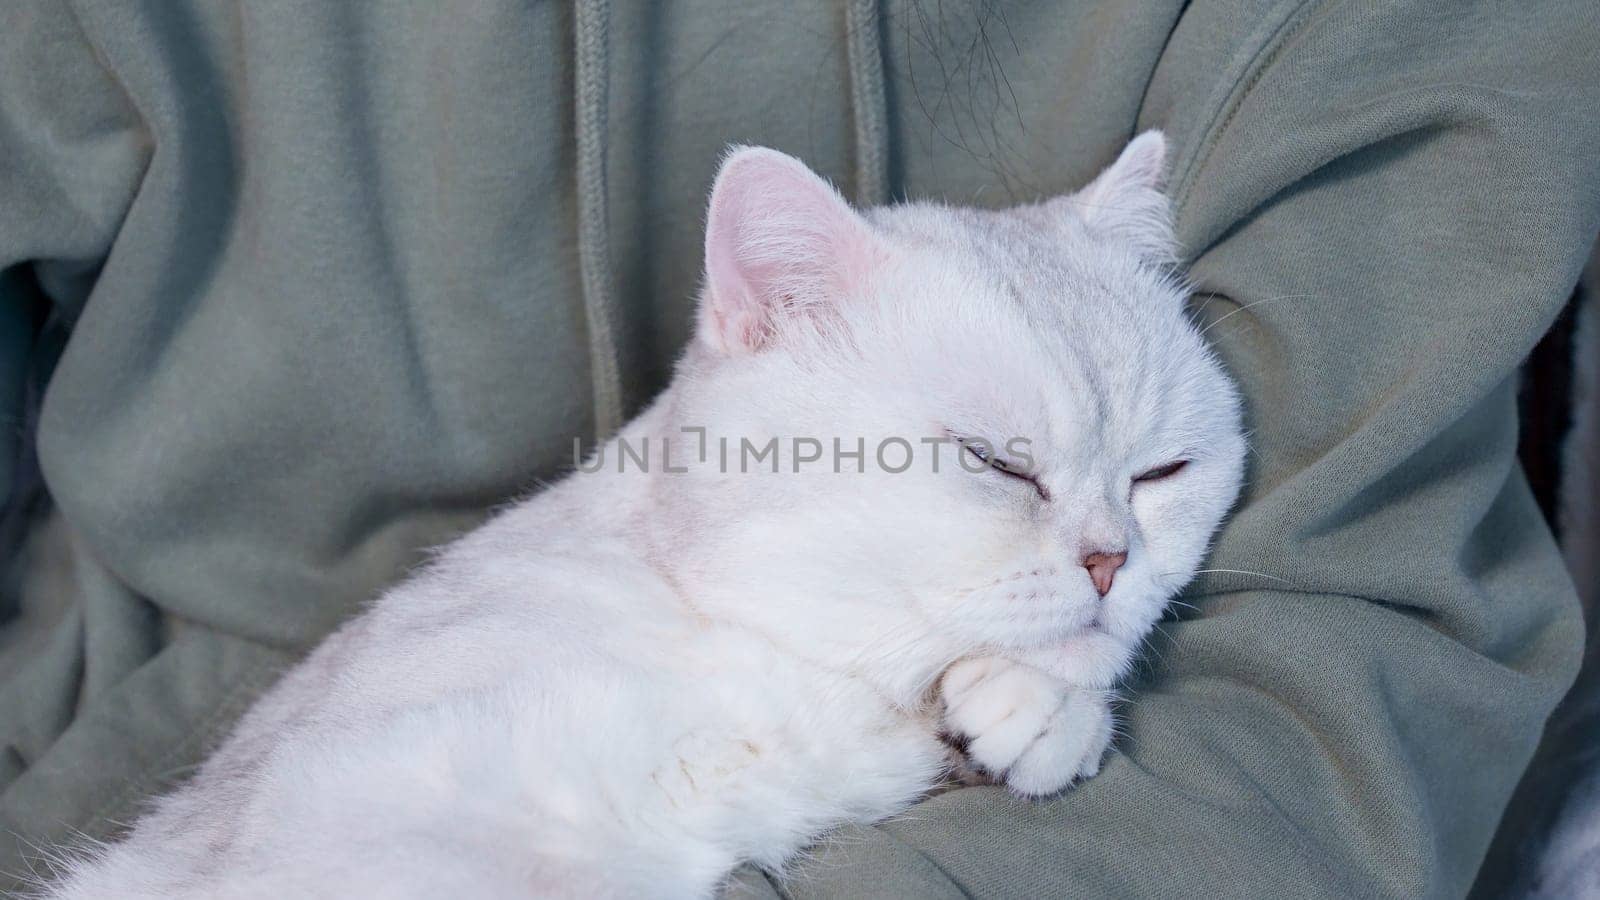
{"points": [[1036, 733]]}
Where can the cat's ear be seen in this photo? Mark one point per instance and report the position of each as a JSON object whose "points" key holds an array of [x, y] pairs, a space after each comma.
{"points": [[780, 242], [1127, 203]]}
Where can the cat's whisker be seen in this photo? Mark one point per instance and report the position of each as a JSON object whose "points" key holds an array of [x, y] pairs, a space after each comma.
{"points": [[1243, 572], [1253, 304], [1149, 646], [1187, 575]]}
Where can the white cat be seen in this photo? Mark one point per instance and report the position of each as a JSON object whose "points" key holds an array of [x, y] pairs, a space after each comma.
{"points": [[633, 682]]}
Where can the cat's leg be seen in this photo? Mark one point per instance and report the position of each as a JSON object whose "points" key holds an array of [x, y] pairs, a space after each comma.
{"points": [[1033, 731]]}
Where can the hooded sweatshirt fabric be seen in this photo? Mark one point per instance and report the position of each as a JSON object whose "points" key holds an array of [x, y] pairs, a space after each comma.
{"points": [[293, 291]]}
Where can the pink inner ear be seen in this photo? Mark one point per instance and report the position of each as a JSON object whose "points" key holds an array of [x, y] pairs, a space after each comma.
{"points": [[779, 241]]}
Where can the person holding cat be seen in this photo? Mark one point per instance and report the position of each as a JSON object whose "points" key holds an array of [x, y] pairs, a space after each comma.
{"points": [[296, 293]]}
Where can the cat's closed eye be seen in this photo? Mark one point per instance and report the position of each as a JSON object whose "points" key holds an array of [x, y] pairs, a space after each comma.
{"points": [[1160, 472], [984, 454]]}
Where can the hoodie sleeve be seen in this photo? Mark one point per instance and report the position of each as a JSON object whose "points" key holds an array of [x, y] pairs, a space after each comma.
{"points": [[72, 152], [1385, 205]]}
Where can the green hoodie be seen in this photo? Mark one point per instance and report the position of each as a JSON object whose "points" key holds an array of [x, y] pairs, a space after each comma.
{"points": [[338, 276]]}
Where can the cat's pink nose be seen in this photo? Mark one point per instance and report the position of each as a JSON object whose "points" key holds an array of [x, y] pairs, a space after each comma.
{"points": [[1103, 568]]}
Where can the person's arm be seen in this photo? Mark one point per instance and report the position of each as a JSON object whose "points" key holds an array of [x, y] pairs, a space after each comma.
{"points": [[1386, 205], [72, 152]]}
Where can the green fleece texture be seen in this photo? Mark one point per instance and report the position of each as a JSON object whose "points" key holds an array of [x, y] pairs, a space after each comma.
{"points": [[321, 264]]}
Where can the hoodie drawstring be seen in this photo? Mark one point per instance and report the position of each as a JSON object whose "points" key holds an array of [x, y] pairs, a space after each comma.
{"points": [[867, 100], [592, 48]]}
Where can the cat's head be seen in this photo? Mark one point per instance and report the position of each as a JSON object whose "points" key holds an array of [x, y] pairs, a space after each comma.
{"points": [[1051, 339]]}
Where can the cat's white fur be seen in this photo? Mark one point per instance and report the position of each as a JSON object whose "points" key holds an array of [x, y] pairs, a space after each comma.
{"points": [[631, 683]]}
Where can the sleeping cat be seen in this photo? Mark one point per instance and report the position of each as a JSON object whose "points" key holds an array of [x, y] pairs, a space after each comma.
{"points": [[1000, 447]]}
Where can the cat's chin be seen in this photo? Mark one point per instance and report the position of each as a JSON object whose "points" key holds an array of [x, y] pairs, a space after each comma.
{"points": [[1089, 657]]}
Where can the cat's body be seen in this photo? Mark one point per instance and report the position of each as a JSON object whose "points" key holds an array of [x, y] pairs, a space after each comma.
{"points": [[634, 681], [643, 755]]}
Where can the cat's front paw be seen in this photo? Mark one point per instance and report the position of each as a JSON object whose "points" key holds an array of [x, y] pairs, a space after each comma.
{"points": [[1035, 732]]}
